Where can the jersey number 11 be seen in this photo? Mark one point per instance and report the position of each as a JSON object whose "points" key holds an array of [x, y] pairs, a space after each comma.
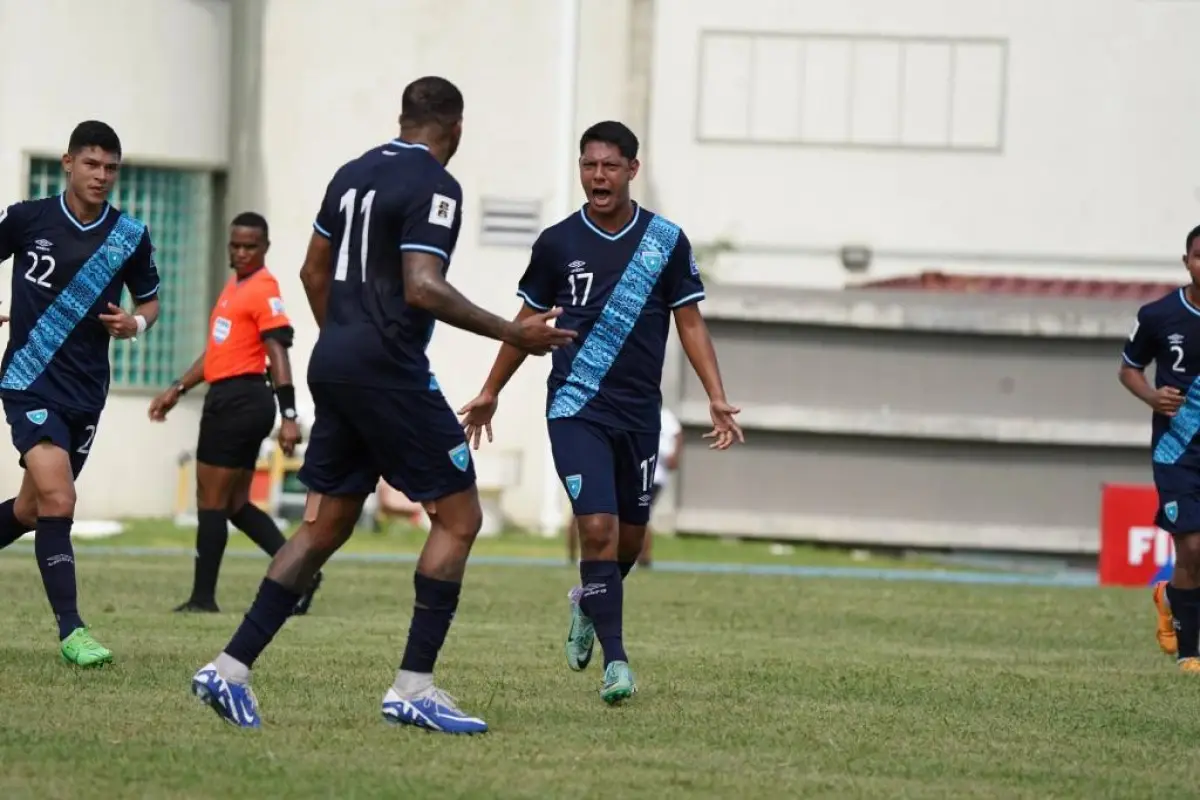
{"points": [[346, 206]]}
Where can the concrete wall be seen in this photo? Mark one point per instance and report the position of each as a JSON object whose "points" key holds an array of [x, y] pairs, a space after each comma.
{"points": [[157, 73], [995, 135], [891, 418]]}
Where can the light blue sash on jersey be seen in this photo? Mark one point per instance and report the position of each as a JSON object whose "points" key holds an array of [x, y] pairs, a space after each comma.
{"points": [[607, 336], [1184, 426], [72, 305]]}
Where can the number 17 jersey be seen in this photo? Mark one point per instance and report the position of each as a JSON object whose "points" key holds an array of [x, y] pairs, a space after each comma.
{"points": [[391, 199]]}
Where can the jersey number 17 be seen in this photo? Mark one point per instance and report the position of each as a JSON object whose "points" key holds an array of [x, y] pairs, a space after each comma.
{"points": [[347, 207]]}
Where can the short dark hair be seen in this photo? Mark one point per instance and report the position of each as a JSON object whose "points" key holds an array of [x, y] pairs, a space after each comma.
{"points": [[251, 219], [1193, 236], [94, 133], [430, 101], [611, 132]]}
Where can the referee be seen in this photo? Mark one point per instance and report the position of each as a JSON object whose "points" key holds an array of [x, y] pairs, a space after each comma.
{"points": [[247, 327]]}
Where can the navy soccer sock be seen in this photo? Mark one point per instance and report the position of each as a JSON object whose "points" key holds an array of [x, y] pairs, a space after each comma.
{"points": [[1185, 608], [11, 528], [271, 609], [601, 600], [212, 534], [433, 610], [259, 528], [56, 560]]}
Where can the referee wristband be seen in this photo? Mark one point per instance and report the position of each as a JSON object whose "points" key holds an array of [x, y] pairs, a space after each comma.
{"points": [[286, 395]]}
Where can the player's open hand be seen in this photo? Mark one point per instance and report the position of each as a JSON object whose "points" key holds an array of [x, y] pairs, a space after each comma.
{"points": [[725, 427], [119, 322], [162, 405], [536, 336], [289, 437], [476, 417], [1167, 401]]}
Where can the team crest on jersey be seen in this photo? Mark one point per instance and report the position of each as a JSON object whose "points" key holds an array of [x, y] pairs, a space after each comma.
{"points": [[574, 484], [652, 259], [37, 416], [460, 457], [115, 257], [276, 304], [1171, 509], [221, 329]]}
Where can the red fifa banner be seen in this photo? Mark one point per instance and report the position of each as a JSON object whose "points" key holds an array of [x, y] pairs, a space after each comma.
{"points": [[1133, 550]]}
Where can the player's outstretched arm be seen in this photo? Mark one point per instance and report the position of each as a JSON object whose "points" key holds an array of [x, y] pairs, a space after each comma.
{"points": [[426, 287], [697, 344], [315, 275], [477, 414]]}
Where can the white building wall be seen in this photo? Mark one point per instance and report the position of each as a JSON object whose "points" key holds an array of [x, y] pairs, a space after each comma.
{"points": [[157, 73], [1094, 174], [333, 78]]}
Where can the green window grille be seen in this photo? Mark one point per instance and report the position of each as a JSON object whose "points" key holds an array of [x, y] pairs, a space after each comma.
{"points": [[177, 205]]}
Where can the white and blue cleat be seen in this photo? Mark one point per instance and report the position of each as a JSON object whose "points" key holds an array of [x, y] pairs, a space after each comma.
{"points": [[234, 702], [432, 710]]}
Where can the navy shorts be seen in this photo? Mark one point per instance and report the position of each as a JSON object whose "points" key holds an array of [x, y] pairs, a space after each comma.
{"points": [[411, 439], [1178, 513], [605, 470], [33, 421]]}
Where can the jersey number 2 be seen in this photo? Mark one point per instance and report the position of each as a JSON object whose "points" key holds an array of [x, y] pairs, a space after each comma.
{"points": [[347, 207], [1178, 351], [36, 260]]}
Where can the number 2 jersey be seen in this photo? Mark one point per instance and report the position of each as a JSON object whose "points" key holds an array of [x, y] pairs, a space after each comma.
{"points": [[1167, 333], [389, 200], [64, 275]]}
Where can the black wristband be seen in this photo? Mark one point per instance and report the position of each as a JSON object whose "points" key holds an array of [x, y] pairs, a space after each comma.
{"points": [[286, 395], [178, 384]]}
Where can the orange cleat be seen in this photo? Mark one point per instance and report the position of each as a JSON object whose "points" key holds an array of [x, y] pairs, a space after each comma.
{"points": [[1166, 625], [1189, 665]]}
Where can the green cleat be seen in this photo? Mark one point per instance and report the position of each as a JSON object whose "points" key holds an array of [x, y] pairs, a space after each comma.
{"points": [[82, 650], [618, 683], [581, 637]]}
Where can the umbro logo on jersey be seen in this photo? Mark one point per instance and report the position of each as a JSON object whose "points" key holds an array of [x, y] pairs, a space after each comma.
{"points": [[43, 244], [576, 266], [1175, 338]]}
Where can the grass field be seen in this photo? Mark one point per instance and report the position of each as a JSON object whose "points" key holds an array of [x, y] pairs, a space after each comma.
{"points": [[789, 687]]}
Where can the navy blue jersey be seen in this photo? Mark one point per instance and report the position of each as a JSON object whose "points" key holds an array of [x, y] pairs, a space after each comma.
{"points": [[616, 290], [390, 199], [64, 276], [1167, 332]]}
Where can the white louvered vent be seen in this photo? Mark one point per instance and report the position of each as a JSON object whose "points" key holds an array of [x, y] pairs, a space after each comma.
{"points": [[510, 223]]}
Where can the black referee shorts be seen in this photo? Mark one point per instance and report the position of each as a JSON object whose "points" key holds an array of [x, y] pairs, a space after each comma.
{"points": [[239, 413]]}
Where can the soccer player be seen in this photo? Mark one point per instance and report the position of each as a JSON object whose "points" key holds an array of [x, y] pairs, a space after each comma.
{"points": [[247, 326], [375, 275], [72, 255], [1167, 332], [619, 272]]}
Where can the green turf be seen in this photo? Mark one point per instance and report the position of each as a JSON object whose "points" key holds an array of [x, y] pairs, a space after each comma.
{"points": [[399, 538], [750, 686]]}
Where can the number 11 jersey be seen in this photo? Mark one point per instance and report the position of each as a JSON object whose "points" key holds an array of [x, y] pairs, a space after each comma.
{"points": [[391, 199]]}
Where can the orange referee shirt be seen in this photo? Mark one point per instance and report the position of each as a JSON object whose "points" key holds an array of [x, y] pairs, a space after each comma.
{"points": [[245, 311]]}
